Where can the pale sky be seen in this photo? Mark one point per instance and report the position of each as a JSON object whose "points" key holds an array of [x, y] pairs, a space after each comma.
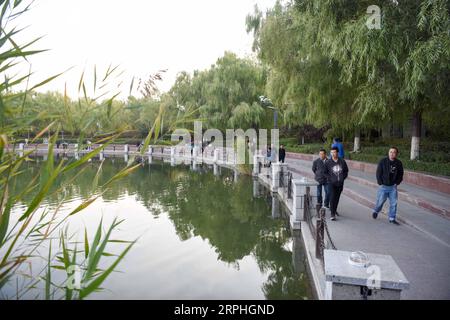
{"points": [[142, 36]]}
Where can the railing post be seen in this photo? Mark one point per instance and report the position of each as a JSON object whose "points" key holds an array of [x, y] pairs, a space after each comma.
{"points": [[195, 152], [370, 277], [255, 165], [172, 152], [275, 183], [150, 150], [297, 199], [216, 155], [125, 149], [306, 204], [320, 225]]}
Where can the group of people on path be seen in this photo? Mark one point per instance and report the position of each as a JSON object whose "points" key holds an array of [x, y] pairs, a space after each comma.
{"points": [[270, 155], [330, 174]]}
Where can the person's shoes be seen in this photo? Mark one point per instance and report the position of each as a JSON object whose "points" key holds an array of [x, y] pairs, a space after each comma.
{"points": [[374, 215], [333, 218], [394, 222]]}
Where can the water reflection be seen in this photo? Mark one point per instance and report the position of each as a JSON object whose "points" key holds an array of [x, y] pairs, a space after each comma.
{"points": [[240, 221]]}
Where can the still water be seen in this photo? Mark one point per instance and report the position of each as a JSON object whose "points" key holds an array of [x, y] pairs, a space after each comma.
{"points": [[203, 233]]}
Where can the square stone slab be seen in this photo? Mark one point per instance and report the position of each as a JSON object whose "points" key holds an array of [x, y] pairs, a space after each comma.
{"points": [[339, 270]]}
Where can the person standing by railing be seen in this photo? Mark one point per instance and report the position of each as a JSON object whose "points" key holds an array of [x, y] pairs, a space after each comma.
{"points": [[281, 154], [336, 171], [269, 156], [318, 168]]}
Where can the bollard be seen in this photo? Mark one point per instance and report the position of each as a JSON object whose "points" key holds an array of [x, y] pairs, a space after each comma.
{"points": [[275, 183], [378, 278], [300, 189], [125, 149], [21, 146], [297, 200], [150, 150], [172, 152], [255, 165]]}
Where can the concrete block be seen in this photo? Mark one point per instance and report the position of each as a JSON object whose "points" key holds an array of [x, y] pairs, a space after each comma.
{"points": [[382, 276]]}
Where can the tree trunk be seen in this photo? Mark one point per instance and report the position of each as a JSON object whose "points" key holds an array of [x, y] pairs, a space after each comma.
{"points": [[357, 143], [416, 134]]}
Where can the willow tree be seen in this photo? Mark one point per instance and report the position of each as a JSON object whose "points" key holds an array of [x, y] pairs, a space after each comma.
{"points": [[404, 64], [229, 83], [302, 79]]}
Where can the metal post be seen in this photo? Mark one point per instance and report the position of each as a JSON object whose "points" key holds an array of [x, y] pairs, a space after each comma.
{"points": [[320, 223]]}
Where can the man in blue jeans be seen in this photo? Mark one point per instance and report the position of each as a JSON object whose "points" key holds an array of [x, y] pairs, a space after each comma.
{"points": [[318, 168], [389, 176]]}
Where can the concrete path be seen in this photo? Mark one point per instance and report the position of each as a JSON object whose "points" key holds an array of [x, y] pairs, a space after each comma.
{"points": [[420, 245]]}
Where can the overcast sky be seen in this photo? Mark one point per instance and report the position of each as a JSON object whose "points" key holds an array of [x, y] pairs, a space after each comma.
{"points": [[142, 36]]}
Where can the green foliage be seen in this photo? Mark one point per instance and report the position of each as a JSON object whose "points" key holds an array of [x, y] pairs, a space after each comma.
{"points": [[23, 236], [328, 69]]}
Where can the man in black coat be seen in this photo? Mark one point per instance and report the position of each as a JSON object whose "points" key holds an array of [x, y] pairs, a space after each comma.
{"points": [[389, 176], [281, 154], [318, 168], [336, 171]]}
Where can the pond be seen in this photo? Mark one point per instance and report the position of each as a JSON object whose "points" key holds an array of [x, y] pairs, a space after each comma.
{"points": [[203, 233]]}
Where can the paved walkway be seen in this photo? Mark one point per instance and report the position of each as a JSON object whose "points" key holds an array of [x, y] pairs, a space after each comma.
{"points": [[420, 245]]}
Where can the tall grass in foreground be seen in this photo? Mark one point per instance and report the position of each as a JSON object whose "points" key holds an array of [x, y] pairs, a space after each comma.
{"points": [[23, 238]]}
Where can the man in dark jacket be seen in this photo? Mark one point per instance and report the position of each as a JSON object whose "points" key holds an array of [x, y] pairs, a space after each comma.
{"points": [[336, 171], [389, 176], [318, 168], [281, 154]]}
